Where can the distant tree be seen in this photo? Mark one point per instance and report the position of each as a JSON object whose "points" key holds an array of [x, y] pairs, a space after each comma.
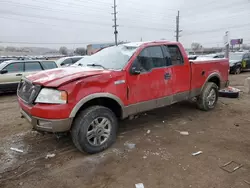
{"points": [[63, 50], [81, 51], [1, 48], [196, 46]]}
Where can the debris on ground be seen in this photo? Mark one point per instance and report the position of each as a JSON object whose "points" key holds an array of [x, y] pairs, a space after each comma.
{"points": [[48, 165], [247, 85], [50, 155], [197, 153], [21, 183], [184, 133], [144, 157], [129, 145], [236, 125], [139, 185], [229, 92], [148, 132], [247, 182], [231, 166], [17, 150]]}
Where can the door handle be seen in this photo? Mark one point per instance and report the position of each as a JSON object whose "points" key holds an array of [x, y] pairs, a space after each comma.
{"points": [[19, 74], [167, 76]]}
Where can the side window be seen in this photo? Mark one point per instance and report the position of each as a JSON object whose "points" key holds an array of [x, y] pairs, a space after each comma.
{"points": [[149, 58], [144, 61], [155, 52], [166, 55], [32, 66], [14, 67], [48, 65], [176, 55], [67, 62], [74, 60]]}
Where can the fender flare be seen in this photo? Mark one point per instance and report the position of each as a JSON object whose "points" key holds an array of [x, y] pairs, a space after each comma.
{"points": [[215, 74], [95, 96]]}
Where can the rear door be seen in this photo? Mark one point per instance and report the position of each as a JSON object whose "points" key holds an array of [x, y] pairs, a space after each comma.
{"points": [[180, 74], [11, 79], [32, 67]]}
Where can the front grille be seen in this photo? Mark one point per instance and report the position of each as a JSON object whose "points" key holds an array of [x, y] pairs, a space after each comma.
{"points": [[28, 91]]}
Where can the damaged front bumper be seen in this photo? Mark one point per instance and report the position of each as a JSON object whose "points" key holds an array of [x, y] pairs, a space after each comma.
{"points": [[47, 125]]}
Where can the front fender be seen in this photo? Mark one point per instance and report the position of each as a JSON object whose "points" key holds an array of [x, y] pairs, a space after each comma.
{"points": [[94, 96]]}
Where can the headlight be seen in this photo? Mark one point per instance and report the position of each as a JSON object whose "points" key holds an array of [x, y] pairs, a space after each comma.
{"points": [[52, 96]]}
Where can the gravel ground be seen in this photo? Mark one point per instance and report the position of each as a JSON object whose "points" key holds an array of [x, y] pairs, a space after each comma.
{"points": [[162, 157]]}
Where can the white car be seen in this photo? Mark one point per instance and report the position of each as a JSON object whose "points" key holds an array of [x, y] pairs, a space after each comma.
{"points": [[67, 61]]}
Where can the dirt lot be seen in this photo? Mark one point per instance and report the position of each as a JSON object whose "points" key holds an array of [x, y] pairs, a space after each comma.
{"points": [[161, 158]]}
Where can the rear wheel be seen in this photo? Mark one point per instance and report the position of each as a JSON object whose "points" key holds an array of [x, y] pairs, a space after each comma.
{"points": [[94, 129], [209, 97]]}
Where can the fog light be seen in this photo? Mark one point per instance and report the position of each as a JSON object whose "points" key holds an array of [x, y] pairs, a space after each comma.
{"points": [[44, 124]]}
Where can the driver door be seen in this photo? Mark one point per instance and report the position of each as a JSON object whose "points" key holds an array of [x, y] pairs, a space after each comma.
{"points": [[148, 86]]}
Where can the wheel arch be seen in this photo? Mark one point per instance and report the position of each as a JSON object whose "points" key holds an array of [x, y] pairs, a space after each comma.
{"points": [[105, 99], [215, 78]]}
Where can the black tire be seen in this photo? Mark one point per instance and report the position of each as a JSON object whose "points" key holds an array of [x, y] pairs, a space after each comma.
{"points": [[202, 101], [81, 124]]}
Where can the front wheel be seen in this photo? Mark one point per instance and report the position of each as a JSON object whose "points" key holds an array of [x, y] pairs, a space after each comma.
{"points": [[94, 129], [209, 97]]}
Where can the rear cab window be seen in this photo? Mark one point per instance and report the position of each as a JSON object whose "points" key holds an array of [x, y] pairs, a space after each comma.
{"points": [[32, 66], [48, 65], [14, 67], [176, 56]]}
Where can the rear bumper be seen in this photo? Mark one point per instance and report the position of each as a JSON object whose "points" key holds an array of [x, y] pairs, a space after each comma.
{"points": [[48, 125]]}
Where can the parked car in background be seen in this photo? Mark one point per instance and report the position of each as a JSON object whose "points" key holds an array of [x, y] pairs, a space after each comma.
{"points": [[67, 61], [6, 59], [192, 57], [206, 56], [239, 61], [12, 71], [115, 83]]}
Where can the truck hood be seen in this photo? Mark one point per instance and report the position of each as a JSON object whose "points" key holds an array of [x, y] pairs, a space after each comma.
{"points": [[60, 76]]}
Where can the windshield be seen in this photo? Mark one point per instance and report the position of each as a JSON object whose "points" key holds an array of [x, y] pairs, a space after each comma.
{"points": [[114, 57], [233, 56]]}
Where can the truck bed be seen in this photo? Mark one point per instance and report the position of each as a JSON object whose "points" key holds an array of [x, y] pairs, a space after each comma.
{"points": [[202, 69]]}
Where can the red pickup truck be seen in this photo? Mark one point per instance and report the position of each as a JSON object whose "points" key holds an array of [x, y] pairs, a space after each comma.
{"points": [[89, 98]]}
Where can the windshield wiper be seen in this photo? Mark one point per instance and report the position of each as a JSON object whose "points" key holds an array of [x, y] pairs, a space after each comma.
{"points": [[96, 65]]}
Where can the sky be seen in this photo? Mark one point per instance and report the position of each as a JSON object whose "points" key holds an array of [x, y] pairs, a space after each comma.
{"points": [[76, 23]]}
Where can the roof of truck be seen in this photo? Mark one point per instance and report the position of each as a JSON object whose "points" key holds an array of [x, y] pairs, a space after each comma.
{"points": [[138, 44]]}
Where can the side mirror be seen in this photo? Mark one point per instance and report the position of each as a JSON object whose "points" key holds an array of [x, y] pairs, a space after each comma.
{"points": [[4, 71], [135, 71]]}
